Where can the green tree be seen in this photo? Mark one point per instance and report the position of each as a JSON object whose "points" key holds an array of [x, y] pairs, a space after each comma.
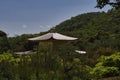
{"points": [[4, 45], [108, 66], [114, 3], [21, 43]]}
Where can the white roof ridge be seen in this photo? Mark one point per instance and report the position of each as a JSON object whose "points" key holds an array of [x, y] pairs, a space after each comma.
{"points": [[55, 35]]}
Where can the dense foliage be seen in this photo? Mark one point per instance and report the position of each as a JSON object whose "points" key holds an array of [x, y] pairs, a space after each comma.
{"points": [[20, 43], [42, 65], [114, 3], [4, 45], [98, 33], [107, 66]]}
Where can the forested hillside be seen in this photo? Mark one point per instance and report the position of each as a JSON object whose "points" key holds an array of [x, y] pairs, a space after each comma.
{"points": [[98, 32], [95, 30]]}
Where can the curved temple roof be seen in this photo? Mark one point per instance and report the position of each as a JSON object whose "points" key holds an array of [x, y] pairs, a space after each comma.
{"points": [[55, 36]]}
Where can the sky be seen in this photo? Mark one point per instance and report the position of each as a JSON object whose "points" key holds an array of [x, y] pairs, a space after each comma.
{"points": [[33, 16]]}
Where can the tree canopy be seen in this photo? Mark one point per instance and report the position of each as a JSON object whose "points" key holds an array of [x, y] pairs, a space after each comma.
{"points": [[4, 45], [114, 3], [107, 66]]}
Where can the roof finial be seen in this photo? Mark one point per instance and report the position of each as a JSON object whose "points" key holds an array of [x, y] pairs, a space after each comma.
{"points": [[52, 30]]}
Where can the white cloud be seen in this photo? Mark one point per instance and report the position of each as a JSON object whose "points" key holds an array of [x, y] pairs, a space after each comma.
{"points": [[48, 26], [41, 26], [45, 26], [24, 26]]}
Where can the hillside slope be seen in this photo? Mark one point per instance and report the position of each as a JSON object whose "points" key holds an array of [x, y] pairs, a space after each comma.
{"points": [[98, 32], [95, 29]]}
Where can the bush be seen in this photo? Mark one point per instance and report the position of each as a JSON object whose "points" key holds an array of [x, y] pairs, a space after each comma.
{"points": [[108, 66]]}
